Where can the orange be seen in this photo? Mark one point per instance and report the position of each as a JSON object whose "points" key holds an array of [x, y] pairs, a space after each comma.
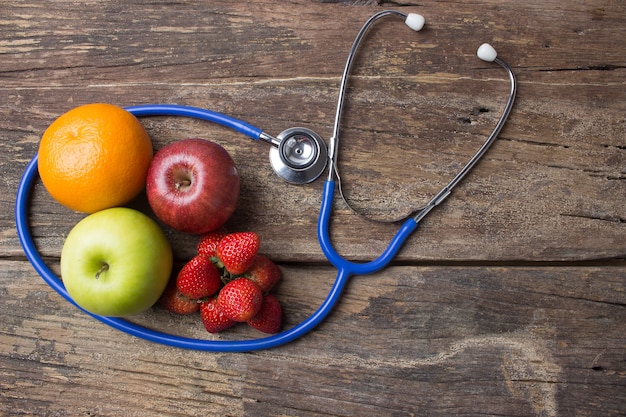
{"points": [[94, 157]]}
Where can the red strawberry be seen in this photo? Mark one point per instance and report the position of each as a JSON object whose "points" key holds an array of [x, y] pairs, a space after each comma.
{"points": [[264, 272], [240, 300], [198, 278], [236, 251], [270, 316], [213, 318], [208, 242], [175, 302]]}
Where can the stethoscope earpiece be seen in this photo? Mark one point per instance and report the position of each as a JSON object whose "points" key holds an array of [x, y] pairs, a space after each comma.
{"points": [[415, 21], [486, 52]]}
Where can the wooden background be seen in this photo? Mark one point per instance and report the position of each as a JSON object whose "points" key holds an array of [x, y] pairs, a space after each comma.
{"points": [[510, 298]]}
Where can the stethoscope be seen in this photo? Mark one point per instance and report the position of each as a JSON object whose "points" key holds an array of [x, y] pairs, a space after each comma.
{"points": [[300, 156]]}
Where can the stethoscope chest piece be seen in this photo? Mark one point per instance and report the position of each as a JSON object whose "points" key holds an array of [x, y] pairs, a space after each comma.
{"points": [[300, 157]]}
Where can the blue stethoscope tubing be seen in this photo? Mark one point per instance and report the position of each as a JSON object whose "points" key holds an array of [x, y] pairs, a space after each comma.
{"points": [[344, 268], [240, 126]]}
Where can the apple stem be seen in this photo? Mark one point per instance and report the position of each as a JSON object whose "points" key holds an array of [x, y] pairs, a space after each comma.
{"points": [[182, 184], [103, 268]]}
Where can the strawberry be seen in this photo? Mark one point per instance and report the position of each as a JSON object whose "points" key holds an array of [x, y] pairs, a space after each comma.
{"points": [[240, 300], [208, 242], [198, 278], [175, 302], [264, 273], [213, 318], [270, 316], [236, 251]]}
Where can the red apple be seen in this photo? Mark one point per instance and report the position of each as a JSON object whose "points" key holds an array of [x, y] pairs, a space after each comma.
{"points": [[193, 185]]}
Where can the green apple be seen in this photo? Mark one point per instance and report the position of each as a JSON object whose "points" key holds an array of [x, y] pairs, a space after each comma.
{"points": [[116, 262]]}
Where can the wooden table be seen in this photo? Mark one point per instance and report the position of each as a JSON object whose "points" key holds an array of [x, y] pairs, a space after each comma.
{"points": [[510, 298]]}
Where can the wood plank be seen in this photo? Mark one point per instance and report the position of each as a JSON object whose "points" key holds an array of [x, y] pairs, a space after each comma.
{"points": [[509, 300], [411, 340]]}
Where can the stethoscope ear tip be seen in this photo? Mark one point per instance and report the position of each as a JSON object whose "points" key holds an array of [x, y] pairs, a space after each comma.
{"points": [[415, 21], [486, 52]]}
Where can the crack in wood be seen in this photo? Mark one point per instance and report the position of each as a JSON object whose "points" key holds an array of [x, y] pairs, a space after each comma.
{"points": [[602, 67], [612, 219]]}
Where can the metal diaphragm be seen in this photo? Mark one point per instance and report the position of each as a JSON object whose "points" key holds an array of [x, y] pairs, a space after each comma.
{"points": [[301, 156]]}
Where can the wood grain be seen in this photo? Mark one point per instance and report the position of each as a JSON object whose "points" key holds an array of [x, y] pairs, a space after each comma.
{"points": [[510, 298]]}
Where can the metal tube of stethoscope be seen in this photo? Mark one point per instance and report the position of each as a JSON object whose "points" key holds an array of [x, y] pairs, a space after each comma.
{"points": [[334, 139], [445, 191]]}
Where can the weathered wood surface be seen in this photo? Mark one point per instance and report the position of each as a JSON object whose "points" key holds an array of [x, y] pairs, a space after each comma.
{"points": [[510, 298]]}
